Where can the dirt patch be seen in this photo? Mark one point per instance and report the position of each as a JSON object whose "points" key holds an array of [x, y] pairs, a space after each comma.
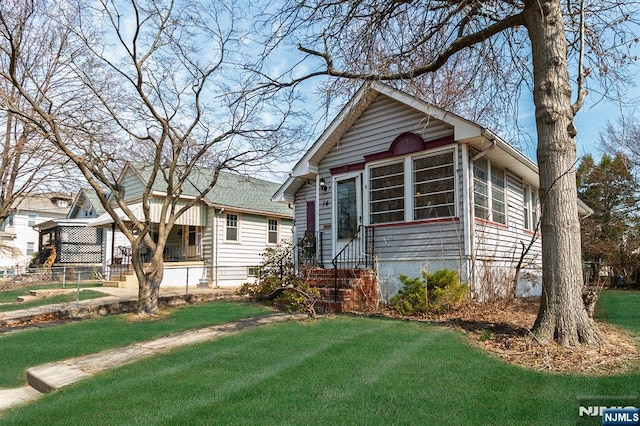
{"points": [[142, 317], [503, 330]]}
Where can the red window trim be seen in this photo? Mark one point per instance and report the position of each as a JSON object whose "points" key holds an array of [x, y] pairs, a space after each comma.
{"points": [[417, 222], [491, 223]]}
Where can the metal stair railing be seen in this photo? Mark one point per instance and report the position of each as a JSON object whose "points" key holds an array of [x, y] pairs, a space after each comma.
{"points": [[356, 253]]}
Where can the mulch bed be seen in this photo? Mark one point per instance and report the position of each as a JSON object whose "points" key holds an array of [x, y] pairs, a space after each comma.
{"points": [[502, 329]]}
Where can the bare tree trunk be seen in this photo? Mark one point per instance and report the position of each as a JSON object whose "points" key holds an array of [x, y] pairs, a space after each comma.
{"points": [[149, 279], [562, 314]]}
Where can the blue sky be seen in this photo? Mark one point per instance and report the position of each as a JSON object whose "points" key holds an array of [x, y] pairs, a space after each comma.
{"points": [[590, 121]]}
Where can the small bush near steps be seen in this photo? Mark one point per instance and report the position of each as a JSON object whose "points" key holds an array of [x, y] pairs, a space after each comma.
{"points": [[435, 292]]}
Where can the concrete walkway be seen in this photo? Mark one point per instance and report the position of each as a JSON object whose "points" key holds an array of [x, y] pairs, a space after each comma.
{"points": [[55, 375]]}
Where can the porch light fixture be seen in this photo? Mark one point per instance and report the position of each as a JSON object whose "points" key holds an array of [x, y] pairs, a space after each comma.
{"points": [[323, 184]]}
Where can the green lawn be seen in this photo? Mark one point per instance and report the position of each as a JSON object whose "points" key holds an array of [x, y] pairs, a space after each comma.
{"points": [[53, 300], [26, 349], [621, 308], [343, 370]]}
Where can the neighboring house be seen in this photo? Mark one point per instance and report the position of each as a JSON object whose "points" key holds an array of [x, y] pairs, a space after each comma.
{"points": [[19, 236], [76, 243], [398, 185], [220, 240]]}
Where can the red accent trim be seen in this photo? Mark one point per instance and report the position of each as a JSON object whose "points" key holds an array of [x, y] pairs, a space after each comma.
{"points": [[418, 222], [529, 232], [405, 143], [347, 168], [434, 143], [490, 223], [402, 145]]}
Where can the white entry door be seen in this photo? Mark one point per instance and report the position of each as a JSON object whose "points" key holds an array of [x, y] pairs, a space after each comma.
{"points": [[347, 211]]}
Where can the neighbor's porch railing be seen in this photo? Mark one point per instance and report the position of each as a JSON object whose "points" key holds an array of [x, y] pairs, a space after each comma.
{"points": [[302, 255]]}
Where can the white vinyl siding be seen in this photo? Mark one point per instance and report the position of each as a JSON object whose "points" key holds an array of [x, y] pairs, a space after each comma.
{"points": [[373, 132]]}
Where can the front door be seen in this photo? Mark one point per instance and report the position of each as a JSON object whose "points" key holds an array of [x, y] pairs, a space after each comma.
{"points": [[347, 214]]}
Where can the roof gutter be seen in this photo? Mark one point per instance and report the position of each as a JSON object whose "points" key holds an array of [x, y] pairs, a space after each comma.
{"points": [[485, 151]]}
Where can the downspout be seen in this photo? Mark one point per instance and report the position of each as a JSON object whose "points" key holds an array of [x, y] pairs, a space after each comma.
{"points": [[472, 219], [486, 150]]}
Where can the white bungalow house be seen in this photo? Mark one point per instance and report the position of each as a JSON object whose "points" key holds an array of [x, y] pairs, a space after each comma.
{"points": [[224, 236], [219, 241], [398, 185]]}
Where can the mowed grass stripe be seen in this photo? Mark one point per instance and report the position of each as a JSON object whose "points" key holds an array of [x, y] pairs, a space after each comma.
{"points": [[30, 348], [343, 370]]}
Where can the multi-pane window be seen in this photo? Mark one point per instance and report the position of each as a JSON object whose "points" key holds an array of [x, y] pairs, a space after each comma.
{"points": [[386, 193], [414, 188], [498, 200], [273, 231], [32, 219], [489, 192], [481, 188], [433, 187], [530, 208], [232, 227], [30, 248]]}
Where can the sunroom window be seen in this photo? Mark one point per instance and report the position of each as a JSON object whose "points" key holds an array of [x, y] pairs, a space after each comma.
{"points": [[386, 193], [481, 189], [412, 189], [433, 187], [489, 192]]}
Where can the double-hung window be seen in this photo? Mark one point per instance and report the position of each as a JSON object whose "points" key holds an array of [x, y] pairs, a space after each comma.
{"points": [[273, 231], [232, 227], [489, 192], [415, 188]]}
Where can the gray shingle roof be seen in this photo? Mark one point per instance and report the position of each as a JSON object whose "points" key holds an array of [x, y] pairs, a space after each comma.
{"points": [[232, 190]]}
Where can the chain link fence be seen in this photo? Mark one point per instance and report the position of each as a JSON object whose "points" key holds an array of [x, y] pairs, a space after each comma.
{"points": [[76, 286]]}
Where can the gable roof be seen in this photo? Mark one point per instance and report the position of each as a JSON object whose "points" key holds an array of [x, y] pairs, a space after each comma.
{"points": [[86, 199], [232, 190], [464, 131]]}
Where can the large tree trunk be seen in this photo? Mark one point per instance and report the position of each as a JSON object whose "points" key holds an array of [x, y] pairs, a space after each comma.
{"points": [[149, 280], [562, 314]]}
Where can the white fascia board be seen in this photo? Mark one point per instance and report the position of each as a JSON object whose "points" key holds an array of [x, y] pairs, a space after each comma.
{"points": [[508, 148], [286, 193], [164, 194]]}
